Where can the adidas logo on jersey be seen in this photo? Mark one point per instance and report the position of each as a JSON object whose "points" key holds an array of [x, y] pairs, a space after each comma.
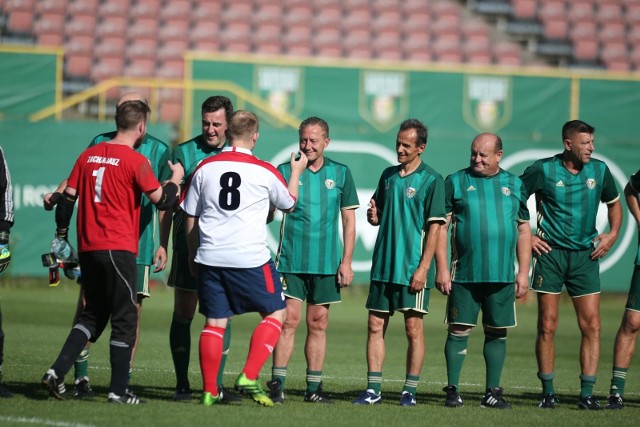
{"points": [[560, 184], [471, 188]]}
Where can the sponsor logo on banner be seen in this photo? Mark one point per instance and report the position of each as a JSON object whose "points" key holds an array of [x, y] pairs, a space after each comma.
{"points": [[281, 88], [383, 100], [487, 102]]}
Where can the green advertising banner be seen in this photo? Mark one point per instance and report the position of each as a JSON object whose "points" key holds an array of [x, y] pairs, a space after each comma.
{"points": [[364, 103]]}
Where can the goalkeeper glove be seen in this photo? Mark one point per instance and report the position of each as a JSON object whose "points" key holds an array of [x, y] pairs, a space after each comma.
{"points": [[5, 252]]}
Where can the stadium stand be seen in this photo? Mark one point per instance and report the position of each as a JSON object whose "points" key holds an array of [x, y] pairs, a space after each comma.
{"points": [[149, 37]]}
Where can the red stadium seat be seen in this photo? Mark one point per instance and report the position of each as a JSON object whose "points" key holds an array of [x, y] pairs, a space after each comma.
{"points": [[20, 21], [114, 8], [140, 67], [556, 28], [171, 68], [50, 39], [107, 67], [176, 9], [268, 46], [174, 28], [143, 48], [579, 10], [585, 49], [112, 26], [41, 6], [552, 9], [21, 5], [268, 12], [301, 50], [112, 46], [49, 23], [609, 10], [80, 24], [84, 7], [78, 66], [79, 44], [358, 52], [586, 30], [208, 11], [357, 18], [507, 54], [173, 49], [298, 14], [143, 27], [525, 9], [613, 30]]}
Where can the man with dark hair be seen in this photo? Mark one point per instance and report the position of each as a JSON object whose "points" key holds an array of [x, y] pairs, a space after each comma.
{"points": [[309, 256], [216, 113], [6, 222], [487, 208], [408, 205], [109, 180], [567, 249], [227, 204]]}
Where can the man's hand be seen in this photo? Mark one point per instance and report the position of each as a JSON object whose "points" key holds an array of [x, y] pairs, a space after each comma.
{"points": [[522, 284], [50, 200], [539, 246], [345, 274], [443, 281], [604, 241], [160, 259], [299, 164], [372, 213], [418, 280]]}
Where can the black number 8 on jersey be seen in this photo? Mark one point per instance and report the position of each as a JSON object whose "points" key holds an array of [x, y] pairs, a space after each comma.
{"points": [[229, 198]]}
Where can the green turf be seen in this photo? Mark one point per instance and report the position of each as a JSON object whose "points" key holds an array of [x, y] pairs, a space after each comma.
{"points": [[36, 320]]}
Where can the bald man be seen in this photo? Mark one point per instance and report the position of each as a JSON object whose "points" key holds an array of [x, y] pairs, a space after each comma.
{"points": [[158, 154]]}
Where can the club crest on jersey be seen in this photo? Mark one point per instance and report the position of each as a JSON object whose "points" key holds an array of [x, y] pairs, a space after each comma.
{"points": [[330, 184], [410, 192], [591, 183], [506, 191]]}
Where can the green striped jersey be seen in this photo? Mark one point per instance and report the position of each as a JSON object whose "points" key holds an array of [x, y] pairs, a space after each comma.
{"points": [[309, 236], [190, 153], [635, 184], [568, 203], [484, 219], [406, 206], [158, 154]]}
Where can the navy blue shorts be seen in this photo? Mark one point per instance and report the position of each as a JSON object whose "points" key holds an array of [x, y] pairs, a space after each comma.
{"points": [[225, 291]]}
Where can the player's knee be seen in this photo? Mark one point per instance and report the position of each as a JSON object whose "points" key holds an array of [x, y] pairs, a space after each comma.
{"points": [[631, 323]]}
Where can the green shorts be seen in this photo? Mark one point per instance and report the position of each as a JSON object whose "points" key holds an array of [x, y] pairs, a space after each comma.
{"points": [[496, 300], [179, 276], [573, 269], [633, 301], [317, 289], [390, 297], [142, 283]]}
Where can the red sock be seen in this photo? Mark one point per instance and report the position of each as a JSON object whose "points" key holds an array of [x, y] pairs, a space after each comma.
{"points": [[211, 343], [264, 339]]}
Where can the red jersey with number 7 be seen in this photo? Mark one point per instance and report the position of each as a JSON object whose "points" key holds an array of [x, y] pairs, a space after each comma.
{"points": [[109, 180]]}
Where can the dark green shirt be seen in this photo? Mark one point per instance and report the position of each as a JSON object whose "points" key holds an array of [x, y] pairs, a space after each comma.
{"points": [[484, 217], [567, 204]]}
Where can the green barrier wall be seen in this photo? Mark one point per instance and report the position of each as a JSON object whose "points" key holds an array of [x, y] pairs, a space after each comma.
{"points": [[364, 105]]}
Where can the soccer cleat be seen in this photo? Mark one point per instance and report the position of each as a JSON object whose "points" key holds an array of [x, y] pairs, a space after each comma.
{"points": [[493, 399], [453, 399], [127, 398], [276, 393], [317, 396], [368, 397], [407, 399], [54, 384], [182, 394], [548, 401], [253, 389], [82, 389], [589, 403], [615, 402], [208, 399], [226, 396]]}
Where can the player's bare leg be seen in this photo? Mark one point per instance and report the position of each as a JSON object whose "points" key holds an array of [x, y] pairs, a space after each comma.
{"points": [[316, 343], [626, 339], [284, 349], [588, 312], [547, 326], [377, 328], [414, 328]]}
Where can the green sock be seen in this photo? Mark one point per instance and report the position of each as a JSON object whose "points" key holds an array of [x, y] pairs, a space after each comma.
{"points": [[586, 385], [313, 380], [411, 383], [455, 350], [279, 373], [226, 343], [180, 342], [374, 381], [547, 382], [617, 381], [81, 365], [494, 351]]}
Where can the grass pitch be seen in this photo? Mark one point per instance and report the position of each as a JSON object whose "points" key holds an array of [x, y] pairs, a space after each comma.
{"points": [[36, 321]]}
